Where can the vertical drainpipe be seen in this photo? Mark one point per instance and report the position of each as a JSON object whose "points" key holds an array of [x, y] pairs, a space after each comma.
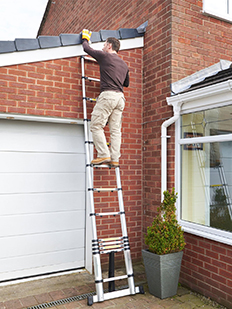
{"points": [[164, 137]]}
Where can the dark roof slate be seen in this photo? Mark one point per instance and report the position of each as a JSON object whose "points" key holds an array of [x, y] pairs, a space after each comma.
{"points": [[67, 39], [202, 78], [221, 76]]}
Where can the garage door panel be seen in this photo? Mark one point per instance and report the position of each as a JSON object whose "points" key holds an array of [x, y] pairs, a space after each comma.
{"points": [[42, 198], [70, 145], [41, 223], [17, 246], [21, 183], [54, 261], [41, 202], [24, 162], [25, 136]]}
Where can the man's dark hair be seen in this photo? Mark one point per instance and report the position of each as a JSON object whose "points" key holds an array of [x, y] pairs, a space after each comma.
{"points": [[115, 43]]}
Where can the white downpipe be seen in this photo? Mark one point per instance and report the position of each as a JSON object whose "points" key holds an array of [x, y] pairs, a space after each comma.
{"points": [[164, 138]]}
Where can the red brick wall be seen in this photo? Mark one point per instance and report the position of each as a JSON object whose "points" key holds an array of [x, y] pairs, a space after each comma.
{"points": [[50, 88], [207, 268], [54, 88], [198, 41]]}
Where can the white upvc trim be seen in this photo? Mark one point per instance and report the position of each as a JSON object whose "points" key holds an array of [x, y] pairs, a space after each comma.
{"points": [[207, 10], [204, 97], [40, 118], [46, 54], [206, 139], [207, 232]]}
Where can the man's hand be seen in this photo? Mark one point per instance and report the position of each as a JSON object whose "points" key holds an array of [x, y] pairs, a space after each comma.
{"points": [[86, 34]]}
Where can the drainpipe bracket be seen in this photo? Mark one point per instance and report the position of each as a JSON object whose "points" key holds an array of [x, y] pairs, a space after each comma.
{"points": [[165, 136]]}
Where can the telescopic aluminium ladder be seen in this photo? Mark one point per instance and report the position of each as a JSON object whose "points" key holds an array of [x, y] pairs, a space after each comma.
{"points": [[108, 245]]}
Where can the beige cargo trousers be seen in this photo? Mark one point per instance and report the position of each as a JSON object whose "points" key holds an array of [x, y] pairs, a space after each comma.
{"points": [[108, 108]]}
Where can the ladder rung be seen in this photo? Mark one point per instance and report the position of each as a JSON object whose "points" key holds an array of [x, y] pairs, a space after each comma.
{"points": [[111, 247], [91, 79], [105, 189], [109, 251], [110, 239], [116, 242], [115, 278], [90, 59], [90, 99], [108, 214], [101, 165]]}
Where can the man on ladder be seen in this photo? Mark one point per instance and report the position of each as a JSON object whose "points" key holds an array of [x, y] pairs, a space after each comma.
{"points": [[114, 75]]}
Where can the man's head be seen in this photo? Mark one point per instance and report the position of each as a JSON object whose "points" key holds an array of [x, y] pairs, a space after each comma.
{"points": [[111, 45]]}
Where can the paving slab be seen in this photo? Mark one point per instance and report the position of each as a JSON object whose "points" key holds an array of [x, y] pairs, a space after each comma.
{"points": [[60, 292]]}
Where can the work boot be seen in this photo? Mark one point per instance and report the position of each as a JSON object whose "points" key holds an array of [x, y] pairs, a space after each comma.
{"points": [[114, 164], [99, 161]]}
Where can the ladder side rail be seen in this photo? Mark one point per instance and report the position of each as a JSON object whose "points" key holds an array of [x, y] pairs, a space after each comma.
{"points": [[225, 187], [96, 256], [127, 255], [85, 112]]}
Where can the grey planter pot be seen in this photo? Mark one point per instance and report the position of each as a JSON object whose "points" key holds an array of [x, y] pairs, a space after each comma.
{"points": [[162, 272]]}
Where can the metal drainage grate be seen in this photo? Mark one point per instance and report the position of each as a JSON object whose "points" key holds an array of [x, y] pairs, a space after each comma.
{"points": [[62, 301], [74, 298]]}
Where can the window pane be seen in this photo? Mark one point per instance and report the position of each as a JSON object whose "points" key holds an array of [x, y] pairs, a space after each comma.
{"points": [[216, 121], [207, 185], [218, 8]]}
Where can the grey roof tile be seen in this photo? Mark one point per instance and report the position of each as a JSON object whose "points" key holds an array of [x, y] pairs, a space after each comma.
{"points": [[142, 28], [95, 37], [49, 41], [70, 39], [109, 33], [126, 33], [26, 44], [7, 47]]}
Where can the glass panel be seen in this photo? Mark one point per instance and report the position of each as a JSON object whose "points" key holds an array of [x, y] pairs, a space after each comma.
{"points": [[207, 185], [221, 185], [218, 8], [216, 121]]}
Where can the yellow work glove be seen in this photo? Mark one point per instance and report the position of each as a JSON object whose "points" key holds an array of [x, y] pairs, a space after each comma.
{"points": [[86, 34]]}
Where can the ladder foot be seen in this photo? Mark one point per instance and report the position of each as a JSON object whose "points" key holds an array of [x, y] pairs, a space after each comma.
{"points": [[90, 300], [141, 290]]}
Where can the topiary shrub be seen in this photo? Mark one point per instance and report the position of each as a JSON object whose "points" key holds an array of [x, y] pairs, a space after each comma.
{"points": [[165, 234]]}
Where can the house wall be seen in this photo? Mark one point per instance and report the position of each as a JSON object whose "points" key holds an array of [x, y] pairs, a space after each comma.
{"points": [[54, 88], [179, 41]]}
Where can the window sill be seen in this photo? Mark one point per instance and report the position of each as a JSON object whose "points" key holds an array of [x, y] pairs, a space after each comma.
{"points": [[207, 232]]}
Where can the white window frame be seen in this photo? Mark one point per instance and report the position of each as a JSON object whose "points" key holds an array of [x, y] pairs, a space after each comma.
{"points": [[209, 10], [213, 96]]}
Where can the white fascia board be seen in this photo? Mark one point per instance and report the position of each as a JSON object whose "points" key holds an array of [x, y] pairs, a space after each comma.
{"points": [[39, 55], [201, 98]]}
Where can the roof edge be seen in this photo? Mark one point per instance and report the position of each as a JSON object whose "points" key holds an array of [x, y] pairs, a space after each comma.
{"points": [[185, 83], [45, 54]]}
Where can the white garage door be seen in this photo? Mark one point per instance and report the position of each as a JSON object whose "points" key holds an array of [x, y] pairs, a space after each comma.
{"points": [[42, 198]]}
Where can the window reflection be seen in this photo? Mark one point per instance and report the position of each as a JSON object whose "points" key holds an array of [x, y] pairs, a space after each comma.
{"points": [[216, 121], [207, 185]]}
